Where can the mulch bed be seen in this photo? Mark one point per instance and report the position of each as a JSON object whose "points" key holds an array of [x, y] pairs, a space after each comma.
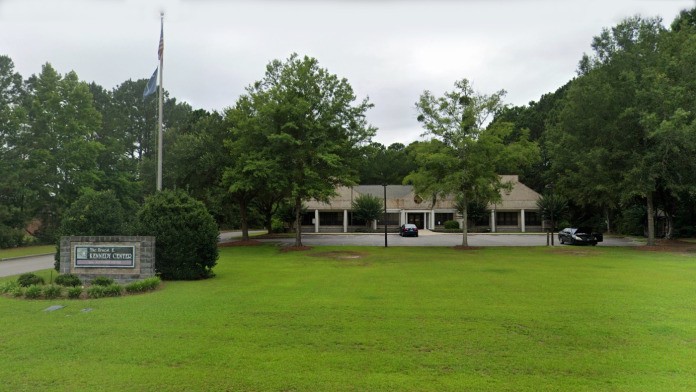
{"points": [[239, 243], [664, 245], [460, 247], [295, 248]]}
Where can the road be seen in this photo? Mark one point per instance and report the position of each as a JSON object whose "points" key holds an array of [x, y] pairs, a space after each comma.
{"points": [[427, 238]]}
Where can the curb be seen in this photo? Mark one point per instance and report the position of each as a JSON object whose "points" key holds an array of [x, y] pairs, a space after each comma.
{"points": [[25, 257]]}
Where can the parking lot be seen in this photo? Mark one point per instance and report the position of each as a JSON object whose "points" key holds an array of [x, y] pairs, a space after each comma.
{"points": [[428, 238]]}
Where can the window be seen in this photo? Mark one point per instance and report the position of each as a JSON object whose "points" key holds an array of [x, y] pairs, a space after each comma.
{"points": [[442, 217], [331, 218], [392, 219], [506, 218], [532, 218], [307, 218]]}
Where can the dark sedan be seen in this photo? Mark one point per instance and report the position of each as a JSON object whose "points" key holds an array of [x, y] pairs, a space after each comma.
{"points": [[409, 230], [579, 236]]}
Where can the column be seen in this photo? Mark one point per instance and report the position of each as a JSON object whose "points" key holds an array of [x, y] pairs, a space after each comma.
{"points": [[522, 220], [345, 221], [316, 221], [402, 218], [432, 219], [492, 221]]}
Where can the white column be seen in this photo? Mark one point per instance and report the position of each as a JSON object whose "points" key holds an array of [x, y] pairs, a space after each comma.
{"points": [[402, 218], [345, 221], [492, 221], [522, 220], [316, 221], [432, 219]]}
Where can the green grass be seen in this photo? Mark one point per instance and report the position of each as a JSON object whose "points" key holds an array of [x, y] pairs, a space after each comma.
{"points": [[406, 319], [27, 251]]}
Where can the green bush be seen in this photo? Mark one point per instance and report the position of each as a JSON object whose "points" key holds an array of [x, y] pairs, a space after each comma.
{"points": [[451, 225], [29, 279], [68, 280], [113, 290], [187, 236], [102, 281], [10, 237], [143, 285], [8, 287], [74, 292], [95, 291], [33, 292], [52, 291], [17, 291], [93, 213]]}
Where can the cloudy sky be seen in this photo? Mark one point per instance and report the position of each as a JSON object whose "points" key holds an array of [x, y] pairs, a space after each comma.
{"points": [[389, 50]]}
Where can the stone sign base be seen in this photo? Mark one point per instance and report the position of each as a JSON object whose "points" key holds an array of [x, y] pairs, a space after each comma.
{"points": [[125, 259]]}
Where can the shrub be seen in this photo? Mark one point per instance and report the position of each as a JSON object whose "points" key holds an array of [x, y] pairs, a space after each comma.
{"points": [[74, 292], [95, 291], [10, 237], [93, 213], [102, 281], [451, 225], [33, 292], [187, 236], [367, 208], [113, 290], [68, 280], [143, 285], [29, 279], [52, 291], [8, 286], [17, 291]]}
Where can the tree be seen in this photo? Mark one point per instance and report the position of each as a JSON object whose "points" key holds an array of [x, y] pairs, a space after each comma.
{"points": [[626, 129], [307, 117], [94, 213], [462, 157], [57, 144], [368, 208]]}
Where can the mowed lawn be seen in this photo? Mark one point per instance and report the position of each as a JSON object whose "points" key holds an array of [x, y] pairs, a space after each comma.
{"points": [[372, 319]]}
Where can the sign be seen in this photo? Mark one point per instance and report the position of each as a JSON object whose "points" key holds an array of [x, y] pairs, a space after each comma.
{"points": [[104, 256]]}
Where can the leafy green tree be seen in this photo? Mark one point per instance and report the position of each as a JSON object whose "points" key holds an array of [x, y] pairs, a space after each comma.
{"points": [[12, 192], [307, 116], [627, 127], [58, 143], [94, 213], [368, 208], [187, 235], [462, 157]]}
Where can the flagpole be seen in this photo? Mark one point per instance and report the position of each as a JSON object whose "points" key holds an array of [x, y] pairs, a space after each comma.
{"points": [[159, 120]]}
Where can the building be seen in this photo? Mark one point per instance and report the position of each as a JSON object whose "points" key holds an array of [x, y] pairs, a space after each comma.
{"points": [[516, 212]]}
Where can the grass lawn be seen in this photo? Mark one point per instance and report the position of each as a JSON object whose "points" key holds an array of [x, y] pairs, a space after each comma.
{"points": [[371, 319], [26, 251]]}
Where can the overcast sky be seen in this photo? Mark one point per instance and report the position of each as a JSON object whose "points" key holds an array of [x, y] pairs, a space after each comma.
{"points": [[389, 50]]}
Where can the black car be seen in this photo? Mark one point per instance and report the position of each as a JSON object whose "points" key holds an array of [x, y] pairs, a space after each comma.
{"points": [[579, 236], [408, 230]]}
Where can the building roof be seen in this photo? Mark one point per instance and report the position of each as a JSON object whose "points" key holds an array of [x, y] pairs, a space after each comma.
{"points": [[403, 197]]}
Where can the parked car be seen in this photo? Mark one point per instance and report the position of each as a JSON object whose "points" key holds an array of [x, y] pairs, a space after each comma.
{"points": [[579, 236], [408, 230]]}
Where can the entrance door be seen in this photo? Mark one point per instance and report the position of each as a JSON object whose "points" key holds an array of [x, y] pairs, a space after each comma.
{"points": [[416, 219]]}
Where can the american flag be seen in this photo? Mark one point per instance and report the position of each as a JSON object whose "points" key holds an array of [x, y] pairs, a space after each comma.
{"points": [[160, 50]]}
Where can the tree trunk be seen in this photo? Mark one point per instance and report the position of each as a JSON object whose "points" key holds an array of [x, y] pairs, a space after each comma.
{"points": [[669, 233], [465, 224], [269, 223], [651, 220], [298, 221], [607, 215], [244, 217]]}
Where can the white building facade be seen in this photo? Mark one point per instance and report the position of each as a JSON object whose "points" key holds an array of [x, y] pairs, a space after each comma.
{"points": [[516, 212]]}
